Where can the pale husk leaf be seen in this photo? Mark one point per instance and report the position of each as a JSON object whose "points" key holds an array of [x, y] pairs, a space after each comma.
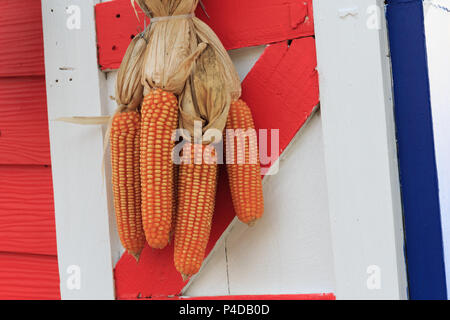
{"points": [[129, 89]]}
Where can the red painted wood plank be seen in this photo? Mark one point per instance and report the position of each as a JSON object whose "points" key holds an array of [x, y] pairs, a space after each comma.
{"points": [[237, 23], [28, 277], [21, 40], [254, 22], [24, 137], [27, 219], [312, 296], [282, 91], [283, 87], [116, 25]]}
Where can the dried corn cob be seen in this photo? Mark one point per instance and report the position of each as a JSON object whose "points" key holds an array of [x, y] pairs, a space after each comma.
{"points": [[175, 200], [159, 121], [243, 166], [197, 184], [125, 137]]}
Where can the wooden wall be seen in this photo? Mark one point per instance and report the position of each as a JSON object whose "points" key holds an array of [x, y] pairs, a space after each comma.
{"points": [[28, 260], [290, 83]]}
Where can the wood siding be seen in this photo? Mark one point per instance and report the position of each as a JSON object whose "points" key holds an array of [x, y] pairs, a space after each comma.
{"points": [[28, 260]]}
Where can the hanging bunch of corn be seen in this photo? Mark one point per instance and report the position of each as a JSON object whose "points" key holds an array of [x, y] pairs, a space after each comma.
{"points": [[177, 75], [188, 80]]}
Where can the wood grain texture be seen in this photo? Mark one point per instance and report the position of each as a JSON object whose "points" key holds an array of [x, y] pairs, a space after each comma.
{"points": [[28, 261], [27, 221], [21, 43], [237, 23], [282, 91], [24, 137], [28, 277]]}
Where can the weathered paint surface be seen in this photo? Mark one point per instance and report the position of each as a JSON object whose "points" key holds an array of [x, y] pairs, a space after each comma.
{"points": [[238, 24]]}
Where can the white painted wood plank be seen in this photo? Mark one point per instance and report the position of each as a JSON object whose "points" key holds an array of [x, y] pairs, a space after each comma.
{"points": [[360, 149], [437, 28], [289, 250], [81, 206], [245, 58], [213, 278]]}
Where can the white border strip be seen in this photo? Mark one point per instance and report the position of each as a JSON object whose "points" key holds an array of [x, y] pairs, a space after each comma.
{"points": [[360, 149], [81, 203]]}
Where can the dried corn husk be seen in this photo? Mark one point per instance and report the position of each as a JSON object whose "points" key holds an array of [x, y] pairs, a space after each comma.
{"points": [[129, 89], [185, 57], [205, 88]]}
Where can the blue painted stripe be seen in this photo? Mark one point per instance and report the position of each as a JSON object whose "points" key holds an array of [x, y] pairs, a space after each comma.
{"points": [[418, 172]]}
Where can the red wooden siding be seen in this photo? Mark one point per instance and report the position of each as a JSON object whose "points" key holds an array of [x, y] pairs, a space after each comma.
{"points": [[21, 44], [23, 121], [25, 276], [26, 210], [238, 24], [28, 261]]}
